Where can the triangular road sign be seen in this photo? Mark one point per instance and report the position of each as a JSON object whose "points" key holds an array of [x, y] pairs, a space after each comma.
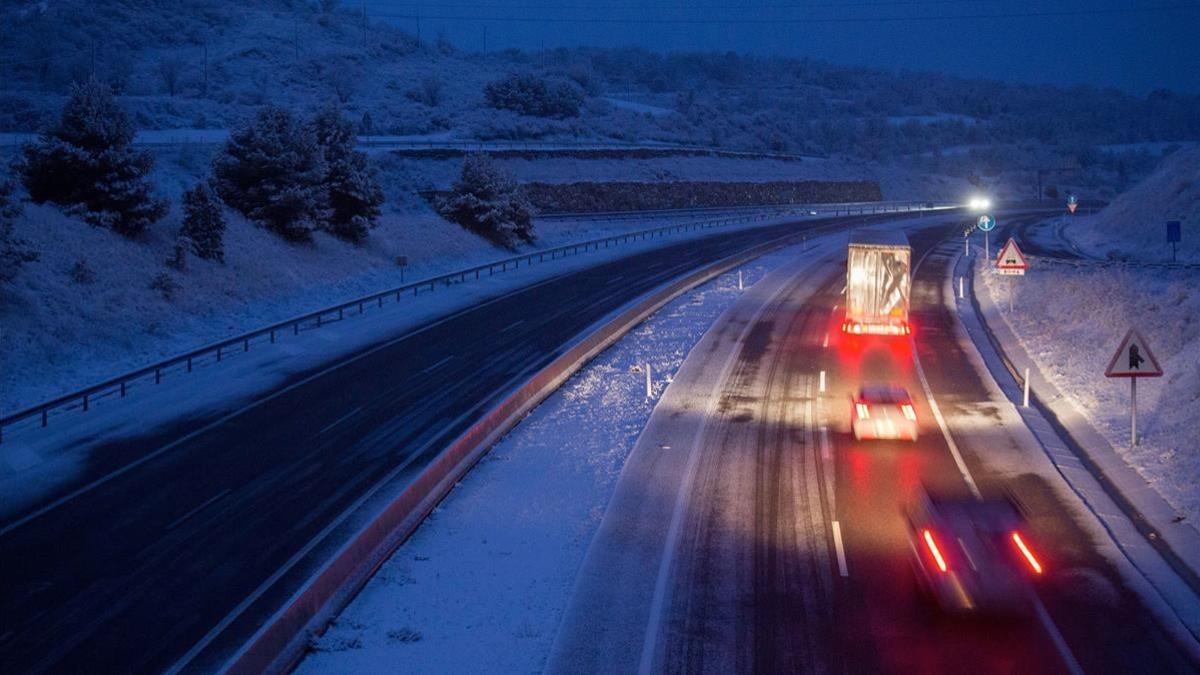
{"points": [[1011, 260], [1071, 206], [1133, 359]]}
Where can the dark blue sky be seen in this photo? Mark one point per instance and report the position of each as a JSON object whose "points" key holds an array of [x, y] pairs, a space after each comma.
{"points": [[1134, 45]]}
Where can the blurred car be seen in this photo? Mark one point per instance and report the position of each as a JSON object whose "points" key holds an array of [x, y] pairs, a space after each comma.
{"points": [[883, 411], [973, 556]]}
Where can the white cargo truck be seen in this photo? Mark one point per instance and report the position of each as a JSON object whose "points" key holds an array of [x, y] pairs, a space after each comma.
{"points": [[877, 283]]}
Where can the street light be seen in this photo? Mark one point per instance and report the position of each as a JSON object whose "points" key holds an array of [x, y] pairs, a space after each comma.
{"points": [[980, 203]]}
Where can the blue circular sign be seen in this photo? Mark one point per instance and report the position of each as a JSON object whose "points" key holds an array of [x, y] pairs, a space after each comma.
{"points": [[987, 223]]}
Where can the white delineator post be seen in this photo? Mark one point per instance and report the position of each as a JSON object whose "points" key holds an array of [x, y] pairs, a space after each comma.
{"points": [[960, 287], [1026, 401], [649, 388], [822, 382], [740, 286]]}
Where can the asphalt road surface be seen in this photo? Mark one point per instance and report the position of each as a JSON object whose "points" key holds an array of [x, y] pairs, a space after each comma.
{"points": [[750, 532], [179, 559]]}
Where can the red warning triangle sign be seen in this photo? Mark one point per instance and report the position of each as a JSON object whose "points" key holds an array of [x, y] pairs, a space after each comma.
{"points": [[1133, 359], [1011, 258]]}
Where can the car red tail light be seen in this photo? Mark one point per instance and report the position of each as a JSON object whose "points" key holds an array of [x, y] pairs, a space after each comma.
{"points": [[1027, 553], [862, 410], [934, 550], [909, 413]]}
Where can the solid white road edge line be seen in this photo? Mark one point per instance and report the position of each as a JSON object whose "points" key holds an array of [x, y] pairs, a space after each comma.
{"points": [[1060, 644], [341, 419], [196, 510], [439, 364], [670, 545], [841, 551]]}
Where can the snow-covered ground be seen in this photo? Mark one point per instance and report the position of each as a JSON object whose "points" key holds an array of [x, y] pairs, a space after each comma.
{"points": [[1071, 320], [1133, 226], [64, 328], [482, 584]]}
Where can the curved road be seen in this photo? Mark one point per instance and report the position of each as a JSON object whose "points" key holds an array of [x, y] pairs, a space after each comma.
{"points": [[750, 532], [176, 560]]}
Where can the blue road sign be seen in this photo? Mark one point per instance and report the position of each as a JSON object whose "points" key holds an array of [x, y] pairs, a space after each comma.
{"points": [[1174, 232], [987, 223], [1071, 199]]}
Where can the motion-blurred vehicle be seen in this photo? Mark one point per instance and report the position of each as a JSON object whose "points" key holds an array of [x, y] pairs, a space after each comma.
{"points": [[883, 411], [877, 283], [973, 556]]}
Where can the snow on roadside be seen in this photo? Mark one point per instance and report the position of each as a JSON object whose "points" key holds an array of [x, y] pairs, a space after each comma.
{"points": [[482, 584], [1071, 319]]}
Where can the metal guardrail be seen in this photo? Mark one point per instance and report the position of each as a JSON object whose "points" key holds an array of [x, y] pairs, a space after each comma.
{"points": [[849, 208], [83, 399]]}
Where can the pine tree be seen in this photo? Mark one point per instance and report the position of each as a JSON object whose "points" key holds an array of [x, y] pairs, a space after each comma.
{"points": [[271, 170], [354, 195], [490, 202], [203, 223], [13, 252], [87, 163]]}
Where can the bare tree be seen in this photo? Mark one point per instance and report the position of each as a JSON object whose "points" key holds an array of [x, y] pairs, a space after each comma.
{"points": [[170, 68]]}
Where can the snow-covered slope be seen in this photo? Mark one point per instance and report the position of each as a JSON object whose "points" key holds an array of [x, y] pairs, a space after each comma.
{"points": [[1133, 226]]}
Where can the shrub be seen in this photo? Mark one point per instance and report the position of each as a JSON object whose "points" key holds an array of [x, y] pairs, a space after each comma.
{"points": [[353, 194], [532, 95], [203, 223], [489, 202], [87, 164], [271, 170]]}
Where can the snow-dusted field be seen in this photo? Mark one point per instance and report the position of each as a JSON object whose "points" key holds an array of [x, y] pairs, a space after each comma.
{"points": [[1072, 319], [482, 584]]}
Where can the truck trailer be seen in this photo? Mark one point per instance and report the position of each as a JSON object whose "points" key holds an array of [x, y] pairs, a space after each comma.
{"points": [[877, 283]]}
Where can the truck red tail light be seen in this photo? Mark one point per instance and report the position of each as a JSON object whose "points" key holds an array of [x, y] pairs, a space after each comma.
{"points": [[1026, 553], [934, 550]]}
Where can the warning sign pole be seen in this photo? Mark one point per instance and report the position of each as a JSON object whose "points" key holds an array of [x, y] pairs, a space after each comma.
{"points": [[1133, 359], [1133, 411]]}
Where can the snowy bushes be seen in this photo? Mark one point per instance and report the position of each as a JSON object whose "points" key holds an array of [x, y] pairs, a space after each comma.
{"points": [[203, 223], [294, 177], [490, 203], [87, 164], [533, 95]]}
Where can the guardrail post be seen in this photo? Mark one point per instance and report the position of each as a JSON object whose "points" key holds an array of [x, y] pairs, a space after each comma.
{"points": [[318, 323], [296, 328], [360, 307], [273, 332], [45, 417], [157, 375], [122, 388], [85, 403], [340, 315], [218, 354]]}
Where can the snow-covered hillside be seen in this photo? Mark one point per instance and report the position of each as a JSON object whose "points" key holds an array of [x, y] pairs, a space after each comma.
{"points": [[1133, 226], [1071, 318]]}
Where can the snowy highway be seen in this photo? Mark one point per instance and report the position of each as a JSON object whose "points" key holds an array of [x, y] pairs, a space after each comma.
{"points": [[750, 532], [262, 496]]}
